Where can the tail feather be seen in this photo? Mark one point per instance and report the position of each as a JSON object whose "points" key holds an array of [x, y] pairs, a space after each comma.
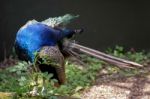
{"points": [[100, 55]]}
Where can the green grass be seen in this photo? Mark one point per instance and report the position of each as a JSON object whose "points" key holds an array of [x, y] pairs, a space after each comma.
{"points": [[21, 78]]}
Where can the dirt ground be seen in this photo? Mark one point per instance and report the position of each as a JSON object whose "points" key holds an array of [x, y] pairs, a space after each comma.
{"points": [[120, 87]]}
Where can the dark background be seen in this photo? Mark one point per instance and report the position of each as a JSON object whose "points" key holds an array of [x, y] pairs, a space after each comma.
{"points": [[106, 22]]}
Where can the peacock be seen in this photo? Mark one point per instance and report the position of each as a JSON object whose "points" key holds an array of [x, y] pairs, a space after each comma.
{"points": [[49, 41]]}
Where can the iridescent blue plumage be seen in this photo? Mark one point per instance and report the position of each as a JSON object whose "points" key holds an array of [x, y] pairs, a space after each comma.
{"points": [[33, 37]]}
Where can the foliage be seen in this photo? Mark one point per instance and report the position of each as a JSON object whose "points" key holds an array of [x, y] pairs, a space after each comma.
{"points": [[119, 51], [22, 77], [13, 79], [139, 57]]}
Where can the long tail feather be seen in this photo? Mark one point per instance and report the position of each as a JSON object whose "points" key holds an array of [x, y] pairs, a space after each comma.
{"points": [[100, 55]]}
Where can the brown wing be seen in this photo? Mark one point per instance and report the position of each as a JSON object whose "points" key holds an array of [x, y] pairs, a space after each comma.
{"points": [[52, 61]]}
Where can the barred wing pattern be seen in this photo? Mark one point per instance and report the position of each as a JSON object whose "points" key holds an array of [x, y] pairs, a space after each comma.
{"points": [[52, 61]]}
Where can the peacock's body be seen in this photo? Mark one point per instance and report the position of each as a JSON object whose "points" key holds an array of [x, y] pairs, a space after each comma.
{"points": [[36, 41]]}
